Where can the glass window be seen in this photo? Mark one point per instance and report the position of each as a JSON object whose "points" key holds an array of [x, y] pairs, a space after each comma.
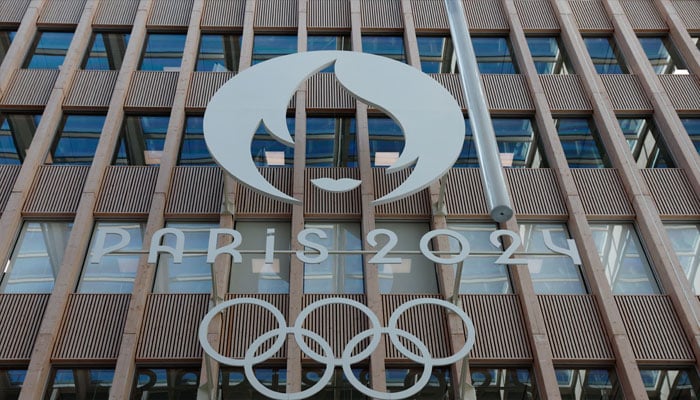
{"points": [[437, 54], [551, 273], [194, 149], [669, 384], [69, 384], [77, 140], [415, 274], [549, 55], [339, 273], [503, 383], [50, 49], [193, 275], [662, 55], [339, 387], [605, 55], [439, 385], [582, 384], [163, 52], [328, 42], [581, 144], [107, 50], [254, 275], [268, 151], [493, 55], [36, 258], [692, 127], [686, 242], [234, 385], [142, 140], [170, 383], [626, 266], [387, 46], [5, 42], [219, 53], [266, 47], [517, 144], [331, 142], [11, 381], [480, 274], [645, 143], [16, 134], [386, 141], [116, 271]]}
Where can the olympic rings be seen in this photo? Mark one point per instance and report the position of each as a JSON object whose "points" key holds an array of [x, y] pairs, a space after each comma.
{"points": [[328, 358]]}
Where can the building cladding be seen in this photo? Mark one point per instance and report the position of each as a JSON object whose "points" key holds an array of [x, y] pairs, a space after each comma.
{"points": [[596, 108]]}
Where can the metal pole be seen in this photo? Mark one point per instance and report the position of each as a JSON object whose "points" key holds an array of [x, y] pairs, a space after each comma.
{"points": [[497, 197]]}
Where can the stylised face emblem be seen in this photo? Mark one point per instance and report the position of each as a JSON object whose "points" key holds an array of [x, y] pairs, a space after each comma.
{"points": [[429, 116]]}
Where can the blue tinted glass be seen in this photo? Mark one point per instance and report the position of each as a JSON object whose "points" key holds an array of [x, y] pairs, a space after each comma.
{"points": [[516, 144], [16, 134], [163, 52], [331, 142], [388, 46], [320, 43], [267, 151], [107, 51], [142, 140], [219, 53], [692, 126], [78, 139], [194, 149], [659, 54], [580, 146], [604, 55], [493, 55], [547, 56], [5, 41], [385, 141], [436, 54], [50, 50], [266, 47], [644, 142]]}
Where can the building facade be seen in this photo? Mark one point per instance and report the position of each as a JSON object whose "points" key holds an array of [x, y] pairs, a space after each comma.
{"points": [[596, 109]]}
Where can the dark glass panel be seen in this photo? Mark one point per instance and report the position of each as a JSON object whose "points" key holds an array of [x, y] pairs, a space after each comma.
{"points": [[493, 55], [107, 51], [77, 140], [16, 134], [387, 46], [163, 52], [266, 47], [49, 50], [605, 55], [142, 140], [581, 144], [386, 141], [166, 384], [662, 55], [219, 53], [548, 55], [647, 147], [517, 144], [194, 149], [436, 54], [692, 127], [331, 142], [268, 151]]}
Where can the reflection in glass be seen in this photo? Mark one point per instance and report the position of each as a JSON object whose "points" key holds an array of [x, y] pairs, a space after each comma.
{"points": [[36, 258], [605, 55], [549, 55], [386, 141], [575, 384], [662, 55], [234, 385], [622, 255], [686, 242], [692, 127], [331, 142], [439, 385], [219, 53], [163, 52], [171, 383], [509, 383], [387, 46], [16, 134], [11, 381], [5, 42], [415, 273], [193, 275], [668, 384], [517, 144], [493, 55], [194, 149], [80, 384], [253, 274], [339, 273], [116, 272], [581, 144], [268, 151], [327, 42], [437, 54], [647, 147], [552, 273], [50, 49], [142, 140], [107, 51], [480, 274], [266, 47], [77, 140]]}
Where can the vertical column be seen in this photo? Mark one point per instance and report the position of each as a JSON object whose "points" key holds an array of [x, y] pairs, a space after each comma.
{"points": [[679, 35], [125, 369], [20, 44]]}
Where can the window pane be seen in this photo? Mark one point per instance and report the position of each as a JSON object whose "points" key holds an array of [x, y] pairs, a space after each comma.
{"points": [[193, 275], [219, 53], [439, 385], [107, 52], [605, 55], [253, 275], [480, 274], [692, 127], [588, 384], [268, 151], [339, 273], [11, 381], [170, 383], [387, 46], [5, 42], [415, 274], [16, 134], [647, 147], [142, 140], [386, 141], [548, 55], [194, 149], [36, 258], [331, 142], [668, 384], [437, 54], [77, 140], [493, 55], [69, 384], [116, 271], [662, 55], [234, 385], [497, 383], [581, 144], [266, 47], [517, 144], [686, 242], [49, 51], [163, 52], [622, 255], [319, 43]]}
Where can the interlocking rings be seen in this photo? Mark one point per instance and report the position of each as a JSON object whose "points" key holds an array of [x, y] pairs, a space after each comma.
{"points": [[328, 358]]}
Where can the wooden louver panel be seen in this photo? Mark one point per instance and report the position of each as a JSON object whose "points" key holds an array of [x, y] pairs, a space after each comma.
{"points": [[590, 15], [328, 14], [452, 84], [127, 190], [21, 315], [57, 190], [244, 323], [168, 13], [507, 92], [534, 191], [91, 89], [672, 192], [113, 13], [464, 194], [429, 14], [276, 13], [601, 192], [427, 322], [414, 205], [325, 91], [12, 11], [565, 93], [643, 15], [684, 91], [203, 87], [8, 176], [195, 190], [61, 12], [151, 90], [252, 203], [689, 11], [626, 92], [536, 15], [381, 14], [485, 15], [337, 323], [30, 88], [319, 202], [223, 14]]}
